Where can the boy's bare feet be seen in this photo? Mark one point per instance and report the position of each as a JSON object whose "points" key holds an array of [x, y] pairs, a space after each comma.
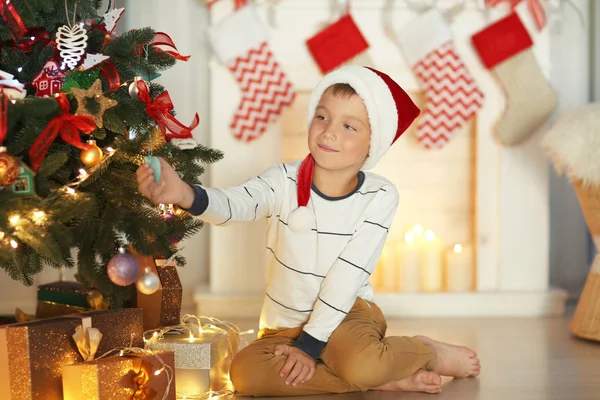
{"points": [[420, 381], [456, 361]]}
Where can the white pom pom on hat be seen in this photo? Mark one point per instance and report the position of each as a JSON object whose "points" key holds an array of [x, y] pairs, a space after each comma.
{"points": [[390, 110]]}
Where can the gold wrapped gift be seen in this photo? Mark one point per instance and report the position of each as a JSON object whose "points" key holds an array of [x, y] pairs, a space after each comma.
{"points": [[32, 353], [139, 377], [201, 362]]}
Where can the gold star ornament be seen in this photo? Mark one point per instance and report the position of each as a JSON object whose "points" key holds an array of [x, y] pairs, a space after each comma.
{"points": [[92, 102]]}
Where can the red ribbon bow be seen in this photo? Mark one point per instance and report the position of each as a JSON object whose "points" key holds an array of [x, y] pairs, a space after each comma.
{"points": [[67, 125], [3, 118], [12, 18], [162, 39], [536, 8], [159, 109]]}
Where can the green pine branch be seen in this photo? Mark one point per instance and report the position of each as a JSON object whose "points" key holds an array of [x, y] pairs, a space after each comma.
{"points": [[95, 216]]}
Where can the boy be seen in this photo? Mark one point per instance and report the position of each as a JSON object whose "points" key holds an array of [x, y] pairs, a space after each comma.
{"points": [[327, 223]]}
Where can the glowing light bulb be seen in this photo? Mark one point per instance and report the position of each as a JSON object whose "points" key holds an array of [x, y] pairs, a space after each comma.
{"points": [[110, 149], [14, 219], [70, 190], [191, 337], [429, 235], [38, 215], [82, 174], [418, 229], [1, 235], [155, 334], [159, 371], [14, 244], [13, 101], [409, 237], [20, 69], [457, 248]]}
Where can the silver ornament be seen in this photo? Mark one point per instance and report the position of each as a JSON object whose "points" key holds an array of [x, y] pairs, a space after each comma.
{"points": [[148, 283], [133, 89]]}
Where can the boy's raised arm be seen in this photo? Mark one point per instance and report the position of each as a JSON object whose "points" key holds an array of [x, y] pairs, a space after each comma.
{"points": [[347, 275], [255, 199]]}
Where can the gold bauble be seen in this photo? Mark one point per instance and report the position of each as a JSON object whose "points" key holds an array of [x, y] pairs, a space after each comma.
{"points": [[9, 168], [93, 156]]}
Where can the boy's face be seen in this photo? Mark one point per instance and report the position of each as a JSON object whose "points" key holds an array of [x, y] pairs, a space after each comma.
{"points": [[339, 134]]}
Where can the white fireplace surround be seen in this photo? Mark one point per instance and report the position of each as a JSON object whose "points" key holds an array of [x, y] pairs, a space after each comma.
{"points": [[512, 196]]}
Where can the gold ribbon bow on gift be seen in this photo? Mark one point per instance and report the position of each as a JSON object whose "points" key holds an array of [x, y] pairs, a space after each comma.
{"points": [[140, 379], [87, 340], [96, 301]]}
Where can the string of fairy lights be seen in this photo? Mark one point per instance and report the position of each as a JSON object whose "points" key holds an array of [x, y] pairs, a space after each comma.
{"points": [[38, 217]]}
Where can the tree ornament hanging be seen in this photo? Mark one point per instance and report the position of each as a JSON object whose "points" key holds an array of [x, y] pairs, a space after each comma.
{"points": [[9, 165], [71, 43], [9, 168], [133, 89], [148, 283], [49, 81], [123, 269], [92, 156], [92, 102], [111, 19]]}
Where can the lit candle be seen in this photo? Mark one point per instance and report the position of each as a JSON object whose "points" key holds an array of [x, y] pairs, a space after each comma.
{"points": [[388, 269], [459, 268], [408, 264], [431, 263]]}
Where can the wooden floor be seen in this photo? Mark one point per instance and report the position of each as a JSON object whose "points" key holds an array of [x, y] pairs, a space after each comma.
{"points": [[522, 359]]}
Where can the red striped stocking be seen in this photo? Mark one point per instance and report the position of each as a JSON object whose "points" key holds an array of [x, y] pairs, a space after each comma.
{"points": [[240, 42], [451, 94]]}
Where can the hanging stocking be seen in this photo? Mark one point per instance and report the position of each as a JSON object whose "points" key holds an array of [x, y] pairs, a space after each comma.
{"points": [[505, 48], [337, 44], [240, 42], [451, 94]]}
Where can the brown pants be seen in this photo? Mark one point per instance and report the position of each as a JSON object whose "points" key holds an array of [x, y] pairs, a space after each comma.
{"points": [[358, 357]]}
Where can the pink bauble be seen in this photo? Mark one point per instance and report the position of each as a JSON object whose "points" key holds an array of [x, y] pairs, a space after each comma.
{"points": [[123, 269]]}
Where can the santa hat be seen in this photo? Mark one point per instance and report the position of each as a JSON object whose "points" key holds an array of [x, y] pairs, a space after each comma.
{"points": [[391, 111]]}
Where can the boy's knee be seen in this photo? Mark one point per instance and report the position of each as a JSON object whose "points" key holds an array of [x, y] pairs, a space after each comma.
{"points": [[246, 374], [361, 373], [240, 374]]}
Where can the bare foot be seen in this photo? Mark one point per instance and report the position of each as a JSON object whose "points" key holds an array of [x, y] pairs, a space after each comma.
{"points": [[420, 381], [456, 361]]}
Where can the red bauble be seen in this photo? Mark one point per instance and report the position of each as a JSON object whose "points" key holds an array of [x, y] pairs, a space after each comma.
{"points": [[9, 169]]}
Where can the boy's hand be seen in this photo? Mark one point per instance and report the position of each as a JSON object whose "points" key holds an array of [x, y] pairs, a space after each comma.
{"points": [[299, 367], [170, 190]]}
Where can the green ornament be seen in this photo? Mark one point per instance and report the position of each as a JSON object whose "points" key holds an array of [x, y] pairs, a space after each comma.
{"points": [[80, 79]]}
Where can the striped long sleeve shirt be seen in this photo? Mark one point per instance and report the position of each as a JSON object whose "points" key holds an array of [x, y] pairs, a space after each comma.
{"points": [[313, 278]]}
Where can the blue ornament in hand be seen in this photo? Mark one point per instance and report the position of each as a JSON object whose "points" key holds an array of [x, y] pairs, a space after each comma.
{"points": [[123, 269], [155, 165]]}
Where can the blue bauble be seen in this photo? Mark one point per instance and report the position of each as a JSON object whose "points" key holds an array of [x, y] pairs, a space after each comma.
{"points": [[123, 269], [155, 165]]}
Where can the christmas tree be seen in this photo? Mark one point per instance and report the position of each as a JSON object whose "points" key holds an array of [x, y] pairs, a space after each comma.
{"points": [[80, 111]]}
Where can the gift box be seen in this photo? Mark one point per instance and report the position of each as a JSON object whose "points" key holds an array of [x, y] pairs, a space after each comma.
{"points": [[121, 328], [32, 353], [143, 377], [62, 298], [163, 307], [201, 363]]}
